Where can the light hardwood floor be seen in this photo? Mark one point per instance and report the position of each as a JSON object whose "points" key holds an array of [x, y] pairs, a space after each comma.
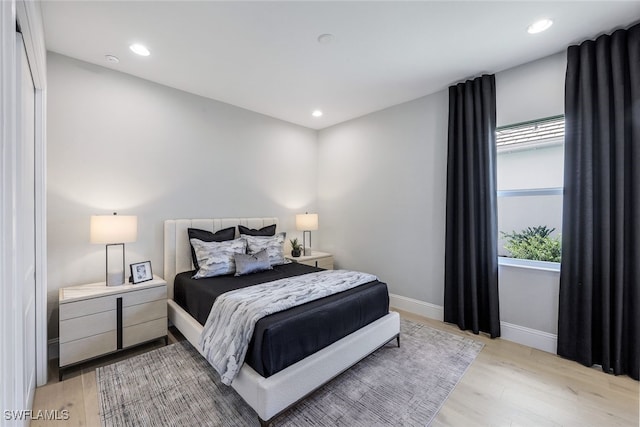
{"points": [[507, 385]]}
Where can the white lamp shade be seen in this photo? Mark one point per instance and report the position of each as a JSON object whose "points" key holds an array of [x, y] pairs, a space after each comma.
{"points": [[307, 222], [114, 228]]}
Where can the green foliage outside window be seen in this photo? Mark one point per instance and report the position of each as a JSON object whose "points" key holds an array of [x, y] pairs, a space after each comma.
{"points": [[534, 243]]}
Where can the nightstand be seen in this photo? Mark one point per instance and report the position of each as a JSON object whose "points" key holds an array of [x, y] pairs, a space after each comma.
{"points": [[316, 259], [96, 319]]}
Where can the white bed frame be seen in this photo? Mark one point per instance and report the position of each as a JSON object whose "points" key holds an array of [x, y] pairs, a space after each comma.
{"points": [[270, 396]]}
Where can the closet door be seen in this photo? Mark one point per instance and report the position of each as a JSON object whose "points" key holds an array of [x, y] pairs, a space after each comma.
{"points": [[26, 260]]}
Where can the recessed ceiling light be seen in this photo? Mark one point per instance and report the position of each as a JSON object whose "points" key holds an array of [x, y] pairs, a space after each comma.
{"points": [[140, 49], [111, 58], [317, 113], [326, 38], [539, 26]]}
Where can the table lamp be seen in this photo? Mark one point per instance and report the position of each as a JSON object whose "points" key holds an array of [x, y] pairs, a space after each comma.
{"points": [[114, 230], [306, 223]]}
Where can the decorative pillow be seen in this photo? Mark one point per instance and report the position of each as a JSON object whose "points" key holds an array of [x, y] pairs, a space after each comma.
{"points": [[217, 258], [207, 236], [274, 245], [269, 230], [246, 264]]}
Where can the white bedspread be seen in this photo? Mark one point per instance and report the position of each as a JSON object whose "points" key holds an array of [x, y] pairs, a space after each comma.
{"points": [[234, 314]]}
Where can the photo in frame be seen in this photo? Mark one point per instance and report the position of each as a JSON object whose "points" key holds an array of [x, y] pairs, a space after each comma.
{"points": [[141, 272]]}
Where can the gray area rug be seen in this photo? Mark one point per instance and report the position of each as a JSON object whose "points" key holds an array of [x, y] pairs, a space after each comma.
{"points": [[175, 386]]}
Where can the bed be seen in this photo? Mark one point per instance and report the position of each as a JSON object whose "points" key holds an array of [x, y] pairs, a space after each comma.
{"points": [[271, 387]]}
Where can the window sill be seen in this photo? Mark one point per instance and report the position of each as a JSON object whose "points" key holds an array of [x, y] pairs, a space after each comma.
{"points": [[529, 264]]}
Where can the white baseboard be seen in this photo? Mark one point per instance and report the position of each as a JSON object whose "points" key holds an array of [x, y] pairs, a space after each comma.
{"points": [[540, 340], [54, 348], [415, 306]]}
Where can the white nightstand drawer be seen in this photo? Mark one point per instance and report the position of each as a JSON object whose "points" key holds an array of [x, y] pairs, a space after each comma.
{"points": [[146, 312], [87, 348], [86, 326], [88, 306], [144, 295], [326, 263], [144, 332]]}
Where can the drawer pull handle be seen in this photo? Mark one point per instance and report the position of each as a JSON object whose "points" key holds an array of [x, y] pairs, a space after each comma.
{"points": [[119, 321]]}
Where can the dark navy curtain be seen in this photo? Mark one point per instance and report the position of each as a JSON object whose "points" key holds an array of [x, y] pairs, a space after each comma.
{"points": [[599, 321], [471, 257]]}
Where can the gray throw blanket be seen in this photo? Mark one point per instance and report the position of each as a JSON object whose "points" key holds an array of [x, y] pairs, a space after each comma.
{"points": [[234, 314]]}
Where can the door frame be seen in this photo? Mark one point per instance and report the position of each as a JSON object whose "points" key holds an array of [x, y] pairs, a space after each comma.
{"points": [[28, 15], [11, 387]]}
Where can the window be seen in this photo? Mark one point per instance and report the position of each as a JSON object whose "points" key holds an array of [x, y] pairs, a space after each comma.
{"points": [[530, 167]]}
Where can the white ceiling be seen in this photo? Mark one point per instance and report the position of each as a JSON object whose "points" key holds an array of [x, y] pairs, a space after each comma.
{"points": [[264, 56]]}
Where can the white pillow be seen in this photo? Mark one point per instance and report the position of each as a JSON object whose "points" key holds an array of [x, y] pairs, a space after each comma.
{"points": [[217, 258], [274, 245]]}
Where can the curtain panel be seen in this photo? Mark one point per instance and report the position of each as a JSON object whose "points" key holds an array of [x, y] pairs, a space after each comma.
{"points": [[599, 321], [471, 257]]}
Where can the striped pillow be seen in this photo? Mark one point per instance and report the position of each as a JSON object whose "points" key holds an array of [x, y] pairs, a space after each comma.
{"points": [[217, 258], [274, 245]]}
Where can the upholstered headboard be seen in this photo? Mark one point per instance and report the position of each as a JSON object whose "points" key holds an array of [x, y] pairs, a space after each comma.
{"points": [[177, 251]]}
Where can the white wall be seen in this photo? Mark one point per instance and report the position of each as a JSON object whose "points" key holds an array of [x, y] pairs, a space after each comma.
{"points": [[382, 189], [531, 91], [120, 143], [381, 193], [529, 304]]}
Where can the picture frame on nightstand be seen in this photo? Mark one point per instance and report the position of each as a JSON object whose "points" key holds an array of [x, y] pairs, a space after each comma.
{"points": [[141, 272]]}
